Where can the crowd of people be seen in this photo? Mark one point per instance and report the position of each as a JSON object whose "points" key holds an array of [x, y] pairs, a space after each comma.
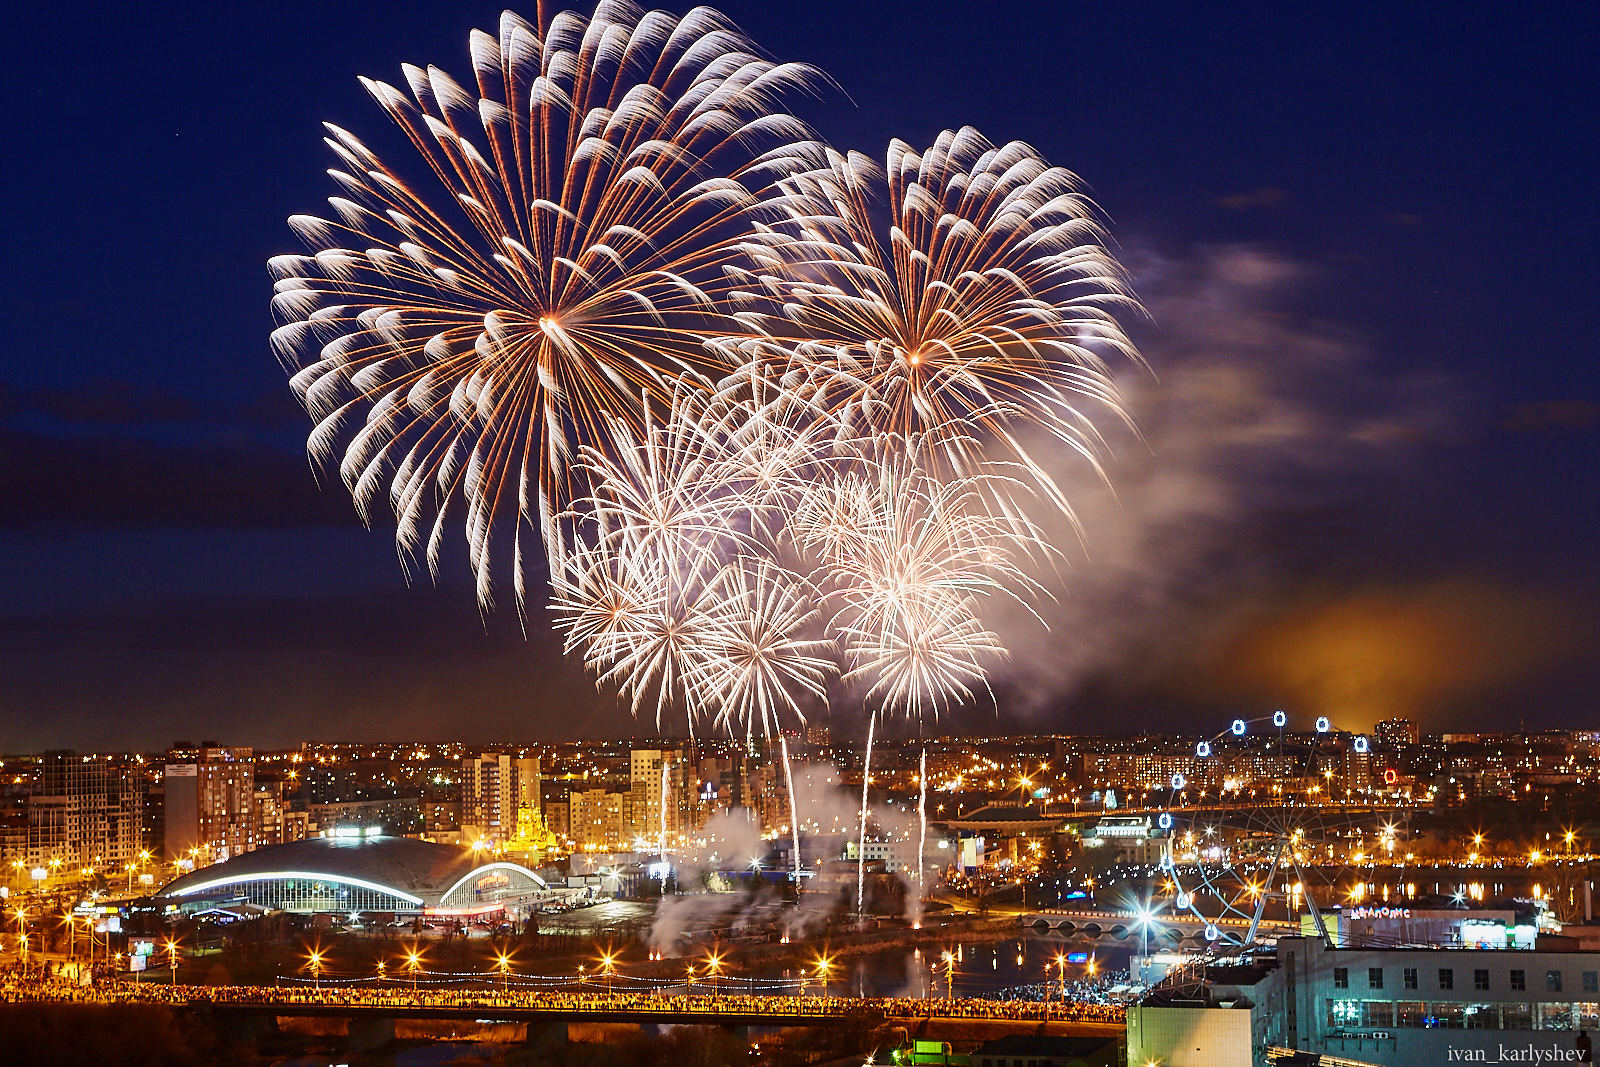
{"points": [[40, 984], [989, 1008]]}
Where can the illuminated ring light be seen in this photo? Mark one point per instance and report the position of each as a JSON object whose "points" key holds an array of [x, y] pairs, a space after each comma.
{"points": [[1184, 900], [1212, 933], [1323, 725], [1390, 777], [1165, 820], [1167, 862], [1238, 727], [1203, 749], [1178, 781], [1280, 719], [1361, 744]]}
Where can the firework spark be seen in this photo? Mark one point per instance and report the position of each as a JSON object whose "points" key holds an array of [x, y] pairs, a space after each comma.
{"points": [[906, 558], [670, 590], [987, 307], [456, 341]]}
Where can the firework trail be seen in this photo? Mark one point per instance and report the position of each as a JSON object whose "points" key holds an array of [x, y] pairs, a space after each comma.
{"points": [[861, 835], [794, 810], [456, 340], [664, 769], [922, 825]]}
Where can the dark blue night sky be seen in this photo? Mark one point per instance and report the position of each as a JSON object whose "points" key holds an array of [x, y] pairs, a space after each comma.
{"points": [[1366, 235]]}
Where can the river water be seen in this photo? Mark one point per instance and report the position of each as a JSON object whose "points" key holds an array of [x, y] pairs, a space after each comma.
{"points": [[981, 968]]}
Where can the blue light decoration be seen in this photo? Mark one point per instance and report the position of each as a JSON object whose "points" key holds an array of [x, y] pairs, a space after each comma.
{"points": [[1279, 718], [1164, 820], [1211, 932], [1361, 744], [1178, 781], [1323, 725], [1203, 749], [1238, 727]]}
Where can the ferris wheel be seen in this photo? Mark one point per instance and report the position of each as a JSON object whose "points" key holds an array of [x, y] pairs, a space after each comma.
{"points": [[1254, 822]]}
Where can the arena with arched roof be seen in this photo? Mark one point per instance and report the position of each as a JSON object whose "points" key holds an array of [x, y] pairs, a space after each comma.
{"points": [[356, 872]]}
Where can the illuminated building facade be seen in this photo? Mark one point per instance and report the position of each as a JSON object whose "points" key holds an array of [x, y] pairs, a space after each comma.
{"points": [[210, 805], [359, 870], [495, 786], [83, 812]]}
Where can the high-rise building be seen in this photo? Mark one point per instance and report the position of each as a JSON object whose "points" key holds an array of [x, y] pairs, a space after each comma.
{"points": [[595, 818], [268, 803], [210, 805], [644, 793], [649, 786], [1393, 733], [495, 786], [84, 812]]}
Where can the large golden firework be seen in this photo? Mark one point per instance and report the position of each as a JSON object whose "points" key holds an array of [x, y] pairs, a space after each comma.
{"points": [[980, 318], [456, 338]]}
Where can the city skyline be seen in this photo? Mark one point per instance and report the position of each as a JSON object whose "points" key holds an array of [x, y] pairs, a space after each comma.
{"points": [[1354, 495]]}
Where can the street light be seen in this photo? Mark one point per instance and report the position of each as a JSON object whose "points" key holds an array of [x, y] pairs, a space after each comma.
{"points": [[1145, 918], [949, 975], [714, 968], [314, 963], [413, 964], [824, 968], [172, 959], [502, 963]]}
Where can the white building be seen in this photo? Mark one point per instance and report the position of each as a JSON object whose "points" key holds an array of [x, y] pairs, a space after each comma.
{"points": [[1394, 1007], [1221, 1016], [1413, 1006]]}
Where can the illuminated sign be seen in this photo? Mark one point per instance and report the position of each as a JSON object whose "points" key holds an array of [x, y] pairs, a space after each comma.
{"points": [[493, 880], [1380, 913]]}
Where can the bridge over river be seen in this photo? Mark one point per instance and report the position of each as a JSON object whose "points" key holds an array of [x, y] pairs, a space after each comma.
{"points": [[368, 1016], [1121, 925]]}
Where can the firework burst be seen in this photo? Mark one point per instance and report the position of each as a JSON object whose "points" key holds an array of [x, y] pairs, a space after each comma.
{"points": [[455, 341], [985, 308]]}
